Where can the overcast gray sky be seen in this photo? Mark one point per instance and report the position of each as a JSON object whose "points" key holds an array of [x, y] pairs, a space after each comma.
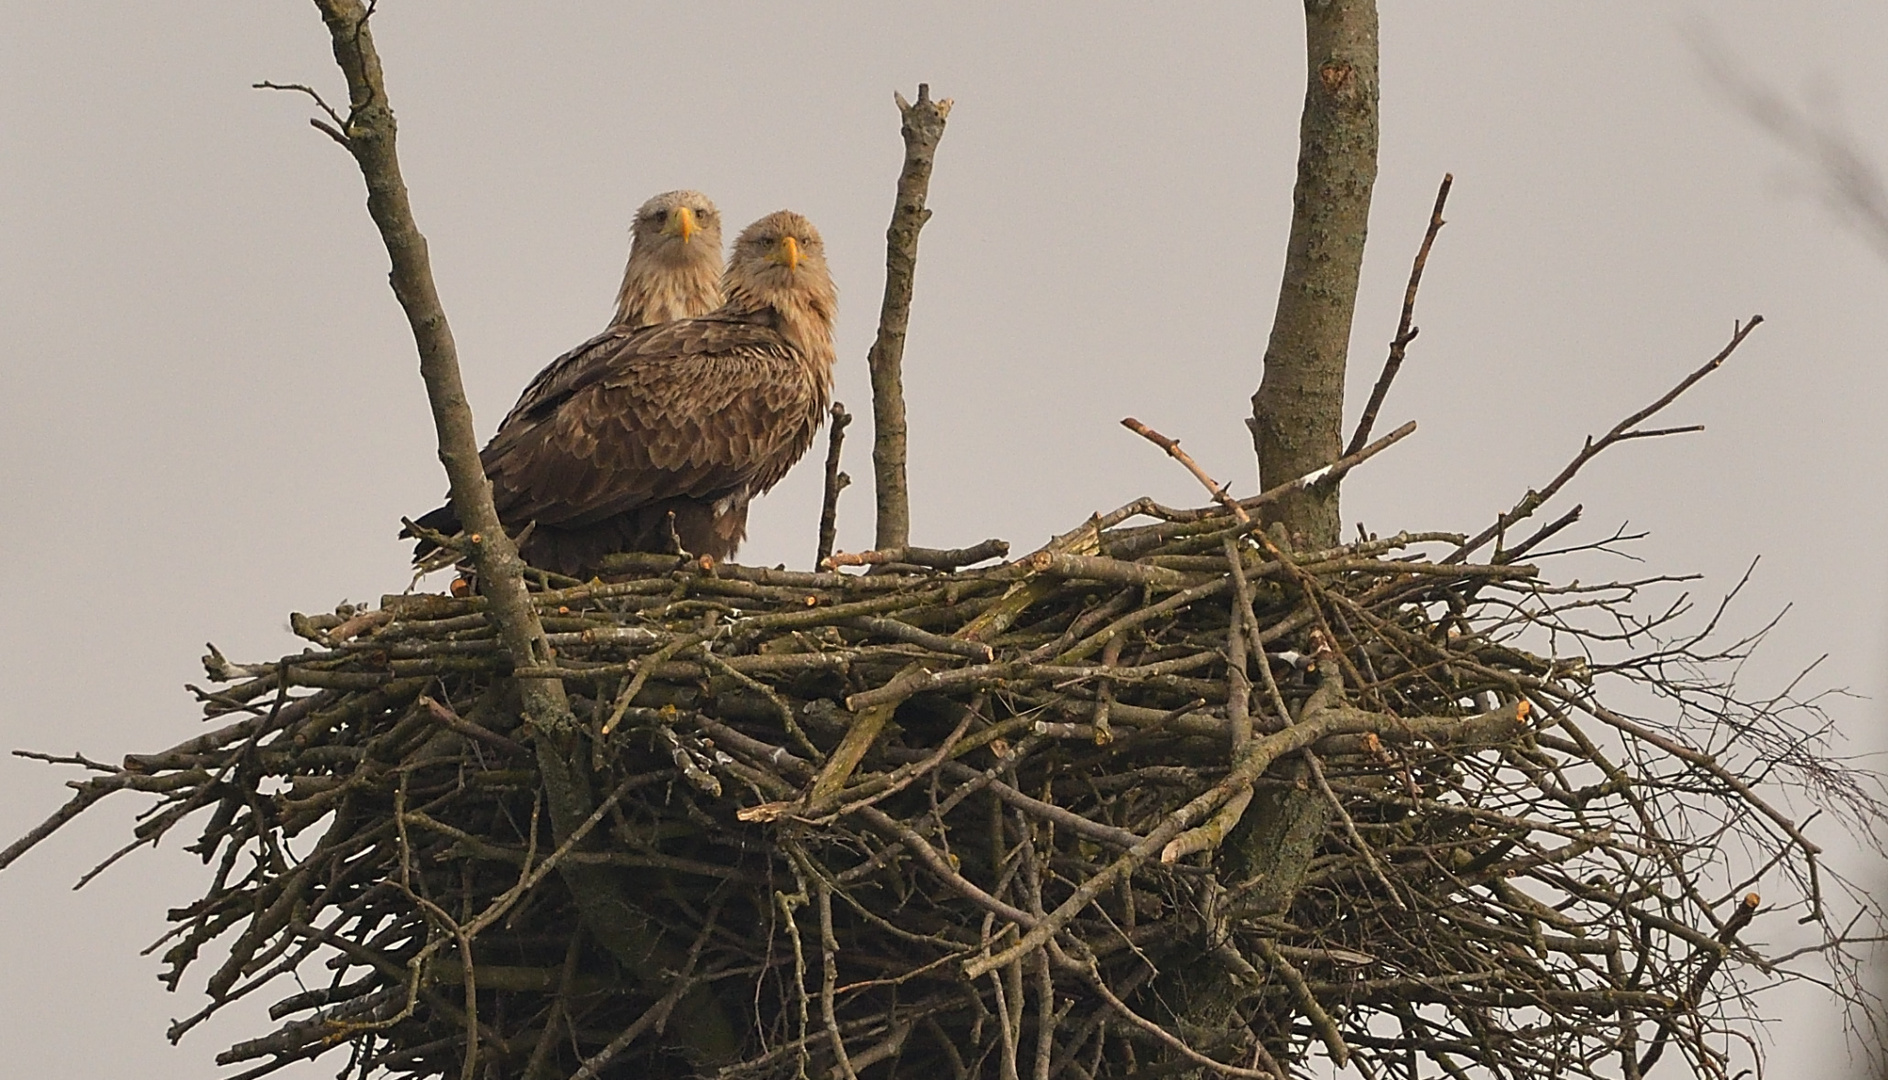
{"points": [[209, 411]]}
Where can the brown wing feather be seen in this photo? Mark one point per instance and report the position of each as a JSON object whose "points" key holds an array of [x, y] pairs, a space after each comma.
{"points": [[705, 409], [552, 384]]}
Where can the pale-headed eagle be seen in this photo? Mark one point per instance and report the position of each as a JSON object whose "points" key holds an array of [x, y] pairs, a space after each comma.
{"points": [[650, 437], [674, 272]]}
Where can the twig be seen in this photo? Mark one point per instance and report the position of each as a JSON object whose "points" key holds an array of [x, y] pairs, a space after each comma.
{"points": [[1541, 536], [898, 631], [331, 130], [1350, 829], [1329, 474], [1320, 1020], [453, 720], [1172, 446], [829, 976], [653, 1017], [922, 125], [89, 793], [1619, 433], [1708, 967], [1405, 333], [836, 482], [1089, 972]]}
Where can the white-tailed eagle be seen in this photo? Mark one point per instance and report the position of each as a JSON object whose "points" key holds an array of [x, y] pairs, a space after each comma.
{"points": [[648, 437]]}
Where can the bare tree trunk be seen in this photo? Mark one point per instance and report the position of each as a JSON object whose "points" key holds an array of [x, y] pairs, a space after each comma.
{"points": [[922, 125], [1298, 411], [1297, 427], [368, 133]]}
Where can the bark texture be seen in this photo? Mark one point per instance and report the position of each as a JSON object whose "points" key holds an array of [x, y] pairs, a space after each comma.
{"points": [[1298, 411], [369, 135], [922, 125]]}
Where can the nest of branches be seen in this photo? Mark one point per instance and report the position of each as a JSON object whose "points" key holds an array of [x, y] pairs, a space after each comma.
{"points": [[1033, 818]]}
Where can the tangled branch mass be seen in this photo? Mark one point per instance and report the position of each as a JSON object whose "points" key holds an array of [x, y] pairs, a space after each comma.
{"points": [[985, 821], [1174, 794]]}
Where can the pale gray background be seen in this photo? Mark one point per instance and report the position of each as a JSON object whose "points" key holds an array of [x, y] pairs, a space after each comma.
{"points": [[209, 413]]}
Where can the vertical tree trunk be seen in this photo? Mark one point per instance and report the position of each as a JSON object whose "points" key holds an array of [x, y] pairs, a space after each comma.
{"points": [[1297, 427], [1298, 411]]}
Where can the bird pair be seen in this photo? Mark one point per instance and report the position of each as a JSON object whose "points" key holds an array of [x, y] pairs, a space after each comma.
{"points": [[703, 392]]}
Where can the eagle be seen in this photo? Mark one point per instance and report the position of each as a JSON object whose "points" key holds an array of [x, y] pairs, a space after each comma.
{"points": [[647, 438], [674, 272]]}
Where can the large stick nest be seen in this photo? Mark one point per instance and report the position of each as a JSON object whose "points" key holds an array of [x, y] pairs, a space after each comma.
{"points": [[1016, 820]]}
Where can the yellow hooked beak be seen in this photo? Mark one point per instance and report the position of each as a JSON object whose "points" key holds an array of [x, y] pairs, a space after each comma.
{"points": [[787, 252], [682, 223]]}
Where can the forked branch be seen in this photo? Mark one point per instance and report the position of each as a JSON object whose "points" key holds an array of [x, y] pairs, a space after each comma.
{"points": [[1623, 431]]}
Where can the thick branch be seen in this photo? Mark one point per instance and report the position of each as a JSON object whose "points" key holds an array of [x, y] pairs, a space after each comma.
{"points": [[370, 132], [922, 126], [1297, 413]]}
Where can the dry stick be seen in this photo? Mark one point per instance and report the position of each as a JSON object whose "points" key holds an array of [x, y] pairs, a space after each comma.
{"points": [[836, 482], [1172, 446], [1237, 716], [1620, 432], [929, 558], [786, 903], [1259, 756], [534, 1066], [89, 792], [1104, 692], [1243, 631], [450, 719], [1350, 828], [656, 1015], [1542, 535], [829, 976], [529, 877], [1045, 978], [922, 125], [1091, 973], [1328, 474], [1320, 1020], [780, 706], [468, 973], [1405, 333]]}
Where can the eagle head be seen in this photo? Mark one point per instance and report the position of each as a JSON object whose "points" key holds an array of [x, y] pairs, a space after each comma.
{"points": [[674, 269], [780, 262]]}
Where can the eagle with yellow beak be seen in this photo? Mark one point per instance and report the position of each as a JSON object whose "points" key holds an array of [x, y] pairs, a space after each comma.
{"points": [[674, 272], [651, 437]]}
